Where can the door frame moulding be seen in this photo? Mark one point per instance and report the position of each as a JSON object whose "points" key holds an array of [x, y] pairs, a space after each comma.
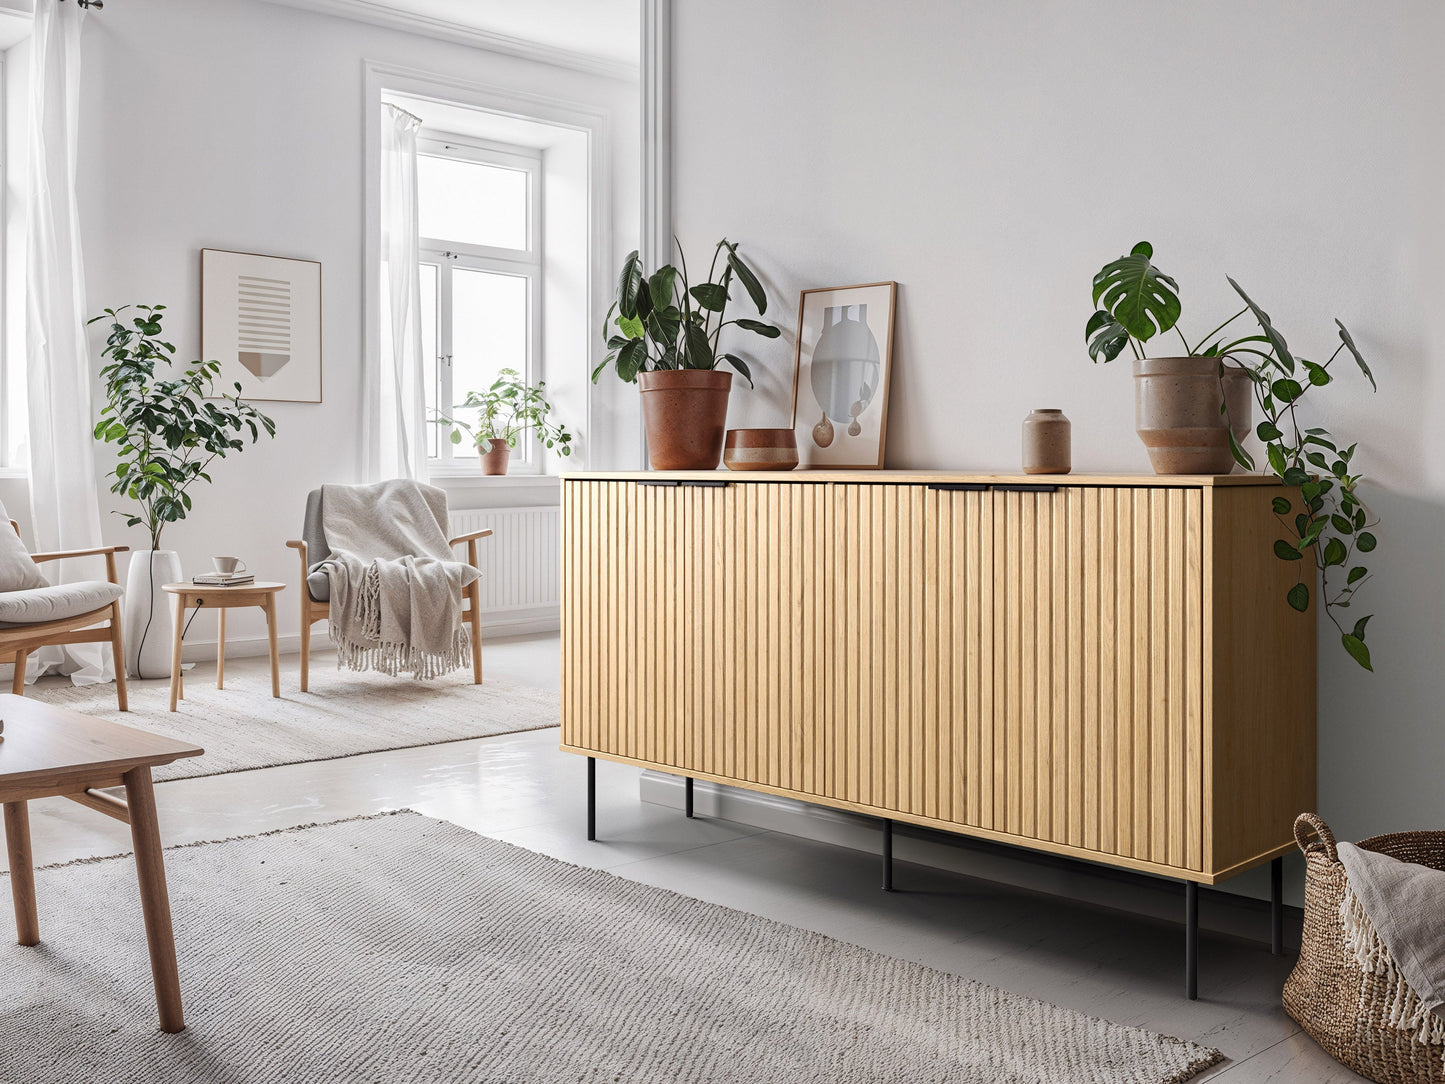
{"points": [[655, 86], [592, 121]]}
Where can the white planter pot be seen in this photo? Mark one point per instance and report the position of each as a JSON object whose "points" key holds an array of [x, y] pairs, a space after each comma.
{"points": [[150, 614]]}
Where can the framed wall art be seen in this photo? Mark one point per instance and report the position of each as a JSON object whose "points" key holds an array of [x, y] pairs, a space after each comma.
{"points": [[840, 374], [261, 319]]}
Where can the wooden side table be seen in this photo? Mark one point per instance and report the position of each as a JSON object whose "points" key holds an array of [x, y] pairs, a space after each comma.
{"points": [[49, 751], [262, 593]]}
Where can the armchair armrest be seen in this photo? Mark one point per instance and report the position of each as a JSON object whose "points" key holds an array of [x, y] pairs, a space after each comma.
{"points": [[62, 555], [471, 536]]}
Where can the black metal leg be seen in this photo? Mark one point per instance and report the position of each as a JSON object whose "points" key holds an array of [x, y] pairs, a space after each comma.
{"points": [[688, 791], [1276, 907], [887, 856], [1191, 940], [591, 798]]}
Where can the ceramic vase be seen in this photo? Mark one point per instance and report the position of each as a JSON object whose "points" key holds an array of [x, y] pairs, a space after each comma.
{"points": [[1047, 442], [760, 449], [685, 413], [149, 616], [1177, 411], [495, 457]]}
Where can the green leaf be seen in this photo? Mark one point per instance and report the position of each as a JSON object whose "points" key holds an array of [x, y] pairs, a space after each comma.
{"points": [[1318, 376], [1294, 476], [1349, 341], [1365, 541], [1281, 349], [659, 287], [1359, 630], [1281, 506], [1357, 574], [749, 280], [1276, 460], [1286, 390], [1285, 552], [1341, 524], [1137, 294], [710, 296], [630, 359], [1241, 457], [629, 284], [757, 327], [1358, 651], [631, 327], [1267, 431], [1106, 336], [698, 352], [1334, 552], [1299, 597], [741, 366]]}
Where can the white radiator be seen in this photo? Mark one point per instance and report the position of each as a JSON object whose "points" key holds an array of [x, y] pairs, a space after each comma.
{"points": [[520, 565]]}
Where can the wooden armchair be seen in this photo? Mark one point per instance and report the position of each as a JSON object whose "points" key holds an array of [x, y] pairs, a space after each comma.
{"points": [[315, 590], [46, 616]]}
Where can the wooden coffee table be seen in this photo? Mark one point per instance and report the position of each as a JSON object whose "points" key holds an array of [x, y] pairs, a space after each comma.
{"points": [[262, 593], [48, 752]]}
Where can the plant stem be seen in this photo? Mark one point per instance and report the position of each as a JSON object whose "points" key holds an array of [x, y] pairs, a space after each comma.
{"points": [[1220, 328]]}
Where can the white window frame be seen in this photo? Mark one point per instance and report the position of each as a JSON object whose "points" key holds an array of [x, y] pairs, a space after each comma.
{"points": [[446, 255]]}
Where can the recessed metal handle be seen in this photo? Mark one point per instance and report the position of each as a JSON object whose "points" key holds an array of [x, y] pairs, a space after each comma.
{"points": [[1020, 488], [959, 487], [704, 485]]}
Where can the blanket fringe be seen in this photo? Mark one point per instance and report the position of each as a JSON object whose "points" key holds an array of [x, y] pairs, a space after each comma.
{"points": [[1404, 1010], [394, 658]]}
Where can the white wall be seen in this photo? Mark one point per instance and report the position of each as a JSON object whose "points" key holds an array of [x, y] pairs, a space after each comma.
{"points": [[990, 157], [239, 124]]}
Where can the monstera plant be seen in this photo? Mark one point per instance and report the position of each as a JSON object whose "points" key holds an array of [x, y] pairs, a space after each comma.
{"points": [[1326, 528]]}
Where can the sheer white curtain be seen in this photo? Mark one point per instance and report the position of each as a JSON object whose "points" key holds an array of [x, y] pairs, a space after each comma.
{"points": [[398, 447], [63, 497]]}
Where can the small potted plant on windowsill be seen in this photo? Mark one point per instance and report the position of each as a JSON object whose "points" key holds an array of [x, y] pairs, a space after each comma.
{"points": [[507, 410], [664, 335]]}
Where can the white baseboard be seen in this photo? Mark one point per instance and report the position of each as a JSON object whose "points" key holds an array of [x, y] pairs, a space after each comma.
{"points": [[1235, 909], [517, 623]]}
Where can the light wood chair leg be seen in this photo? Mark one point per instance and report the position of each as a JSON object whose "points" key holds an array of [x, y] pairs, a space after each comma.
{"points": [[117, 654], [176, 689], [155, 901], [475, 617], [305, 644], [18, 685], [221, 649], [22, 872], [275, 653]]}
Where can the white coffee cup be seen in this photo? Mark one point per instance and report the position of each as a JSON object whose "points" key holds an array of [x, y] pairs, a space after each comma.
{"points": [[228, 566]]}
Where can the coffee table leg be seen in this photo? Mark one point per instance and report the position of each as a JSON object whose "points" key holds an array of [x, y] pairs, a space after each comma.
{"points": [[155, 901], [22, 874], [176, 693], [221, 649], [275, 654]]}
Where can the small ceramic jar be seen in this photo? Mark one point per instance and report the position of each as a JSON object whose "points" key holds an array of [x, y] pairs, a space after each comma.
{"points": [[1047, 443]]}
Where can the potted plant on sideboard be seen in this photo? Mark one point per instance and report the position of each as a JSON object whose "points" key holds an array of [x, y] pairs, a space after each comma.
{"points": [[663, 334], [1192, 412], [169, 431], [505, 411]]}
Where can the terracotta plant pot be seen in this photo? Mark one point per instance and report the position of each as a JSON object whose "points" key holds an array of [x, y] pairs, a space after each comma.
{"points": [[685, 413], [760, 449], [495, 457], [1176, 409]]}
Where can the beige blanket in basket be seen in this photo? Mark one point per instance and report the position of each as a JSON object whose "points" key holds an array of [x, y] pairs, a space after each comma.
{"points": [[1394, 919]]}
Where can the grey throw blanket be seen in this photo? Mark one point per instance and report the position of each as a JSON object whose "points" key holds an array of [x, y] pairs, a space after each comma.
{"points": [[396, 592], [1399, 907]]}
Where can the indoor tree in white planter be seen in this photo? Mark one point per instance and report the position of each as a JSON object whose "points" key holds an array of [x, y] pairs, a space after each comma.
{"points": [[169, 431], [505, 411]]}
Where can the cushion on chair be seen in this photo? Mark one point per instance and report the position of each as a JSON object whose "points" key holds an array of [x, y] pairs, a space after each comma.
{"points": [[319, 584], [17, 571], [55, 603]]}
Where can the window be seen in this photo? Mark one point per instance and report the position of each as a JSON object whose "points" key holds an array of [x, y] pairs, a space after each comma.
{"points": [[479, 210]]}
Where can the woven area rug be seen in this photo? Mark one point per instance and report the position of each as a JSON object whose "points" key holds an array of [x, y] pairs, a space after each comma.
{"points": [[400, 949], [243, 726]]}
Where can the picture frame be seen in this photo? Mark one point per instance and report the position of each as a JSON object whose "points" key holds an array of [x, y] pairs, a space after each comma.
{"points": [[261, 319], [841, 370]]}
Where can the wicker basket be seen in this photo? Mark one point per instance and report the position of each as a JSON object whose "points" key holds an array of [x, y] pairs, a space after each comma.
{"points": [[1343, 1008]]}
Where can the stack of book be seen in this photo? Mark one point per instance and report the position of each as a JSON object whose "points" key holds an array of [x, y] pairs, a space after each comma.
{"points": [[223, 579]]}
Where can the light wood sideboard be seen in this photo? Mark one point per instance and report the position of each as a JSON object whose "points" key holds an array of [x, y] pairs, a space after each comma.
{"points": [[1100, 666]]}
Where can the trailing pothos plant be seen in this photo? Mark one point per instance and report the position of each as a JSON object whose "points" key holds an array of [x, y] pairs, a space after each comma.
{"points": [[1326, 525], [660, 321], [505, 411], [169, 429]]}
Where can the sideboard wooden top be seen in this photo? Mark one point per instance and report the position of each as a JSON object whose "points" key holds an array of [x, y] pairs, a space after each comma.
{"points": [[924, 477]]}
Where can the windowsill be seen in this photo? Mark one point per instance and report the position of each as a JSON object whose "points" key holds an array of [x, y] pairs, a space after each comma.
{"points": [[448, 476], [13, 472]]}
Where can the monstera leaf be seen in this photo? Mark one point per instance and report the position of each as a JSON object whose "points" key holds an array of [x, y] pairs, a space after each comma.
{"points": [[1140, 297], [1106, 336]]}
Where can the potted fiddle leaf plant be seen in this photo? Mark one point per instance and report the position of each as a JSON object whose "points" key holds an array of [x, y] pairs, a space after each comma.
{"points": [[505, 411], [1193, 414], [169, 429], [665, 334]]}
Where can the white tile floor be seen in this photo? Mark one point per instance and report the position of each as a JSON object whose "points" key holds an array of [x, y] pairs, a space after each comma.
{"points": [[519, 788]]}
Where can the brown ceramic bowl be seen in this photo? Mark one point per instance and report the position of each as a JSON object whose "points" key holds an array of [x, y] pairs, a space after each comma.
{"points": [[760, 449]]}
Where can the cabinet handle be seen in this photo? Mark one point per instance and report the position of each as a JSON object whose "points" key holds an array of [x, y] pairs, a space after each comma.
{"points": [[959, 487], [657, 483], [1020, 488], [703, 485]]}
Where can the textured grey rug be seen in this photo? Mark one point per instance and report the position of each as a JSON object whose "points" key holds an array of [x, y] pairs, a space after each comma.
{"points": [[243, 726], [402, 949]]}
